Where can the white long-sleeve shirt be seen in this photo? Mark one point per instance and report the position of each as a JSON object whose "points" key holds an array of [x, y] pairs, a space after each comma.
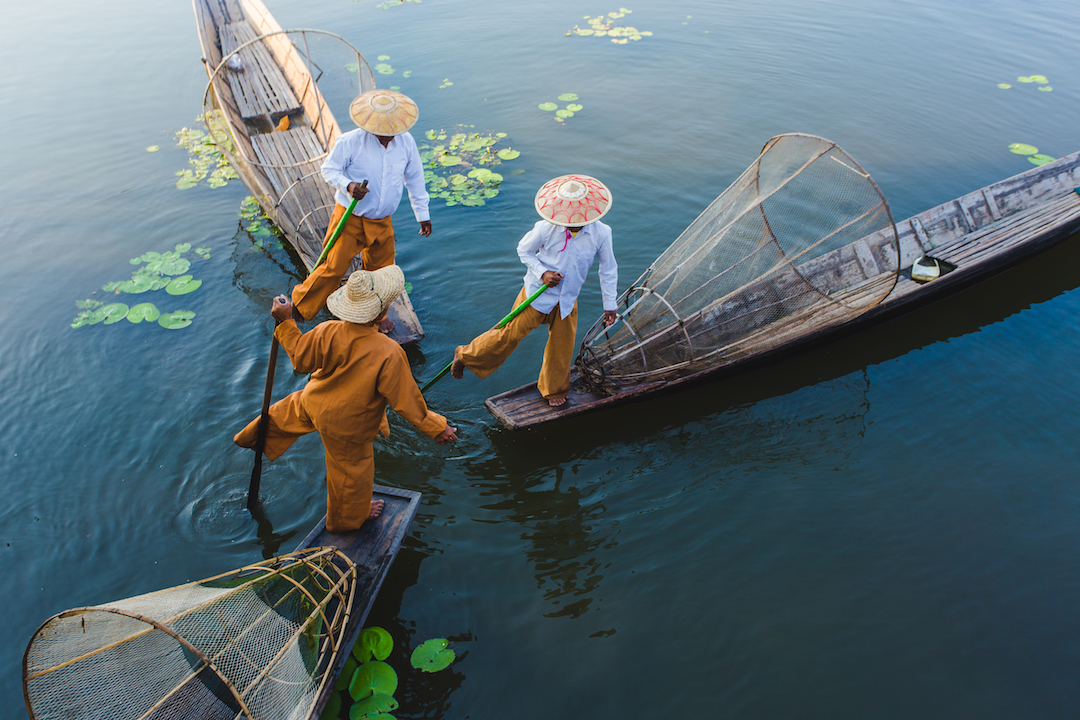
{"points": [[546, 247], [358, 155]]}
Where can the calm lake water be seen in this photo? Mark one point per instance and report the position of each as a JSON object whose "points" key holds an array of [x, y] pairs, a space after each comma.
{"points": [[886, 528]]}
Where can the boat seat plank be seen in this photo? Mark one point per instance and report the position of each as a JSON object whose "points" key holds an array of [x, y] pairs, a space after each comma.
{"points": [[261, 89]]}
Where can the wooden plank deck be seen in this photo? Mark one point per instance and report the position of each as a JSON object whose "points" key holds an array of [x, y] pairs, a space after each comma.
{"points": [[373, 548], [280, 168], [982, 233]]}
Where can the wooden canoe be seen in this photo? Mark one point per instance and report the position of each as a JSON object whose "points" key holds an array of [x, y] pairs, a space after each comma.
{"points": [[980, 234], [373, 548], [279, 167]]}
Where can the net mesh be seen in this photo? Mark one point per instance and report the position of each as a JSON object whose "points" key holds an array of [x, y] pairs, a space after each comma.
{"points": [[802, 239], [256, 643]]}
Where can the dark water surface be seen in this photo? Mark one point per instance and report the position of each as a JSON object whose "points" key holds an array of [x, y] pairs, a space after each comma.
{"points": [[885, 528]]}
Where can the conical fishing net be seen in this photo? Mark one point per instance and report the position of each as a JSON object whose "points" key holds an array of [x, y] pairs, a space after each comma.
{"points": [[803, 239], [273, 106], [255, 643]]}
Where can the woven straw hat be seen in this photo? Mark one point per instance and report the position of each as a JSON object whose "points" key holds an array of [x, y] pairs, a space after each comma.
{"points": [[384, 112], [367, 294], [572, 200]]}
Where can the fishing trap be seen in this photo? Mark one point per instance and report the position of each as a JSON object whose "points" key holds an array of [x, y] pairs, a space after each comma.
{"points": [[255, 643], [802, 240]]}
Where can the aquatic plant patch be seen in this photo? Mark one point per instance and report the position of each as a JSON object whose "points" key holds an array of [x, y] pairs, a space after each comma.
{"points": [[1040, 80], [156, 271], [1033, 155], [458, 165], [607, 26], [205, 159], [569, 109], [365, 689], [263, 233]]}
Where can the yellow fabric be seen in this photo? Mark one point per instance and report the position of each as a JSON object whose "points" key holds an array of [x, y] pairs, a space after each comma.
{"points": [[373, 239], [488, 351], [355, 372]]}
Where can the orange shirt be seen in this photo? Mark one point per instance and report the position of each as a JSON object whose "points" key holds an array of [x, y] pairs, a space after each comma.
{"points": [[355, 371]]}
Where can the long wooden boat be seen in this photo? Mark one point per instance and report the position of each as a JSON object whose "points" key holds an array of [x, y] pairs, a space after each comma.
{"points": [[373, 548], [259, 75], [975, 236]]}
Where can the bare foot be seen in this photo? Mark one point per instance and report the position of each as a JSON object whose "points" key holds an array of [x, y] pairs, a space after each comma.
{"points": [[556, 402], [457, 369], [376, 509], [386, 325]]}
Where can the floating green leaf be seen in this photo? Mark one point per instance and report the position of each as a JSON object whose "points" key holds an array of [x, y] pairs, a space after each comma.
{"points": [[564, 113], [176, 320], [1023, 149], [408, 289], [352, 67], [384, 69], [508, 154], [383, 58], [153, 148], [373, 678], [433, 655], [1040, 159], [448, 160], [175, 266], [1025, 79], [183, 247], [370, 708], [1004, 86], [183, 285], [332, 708], [568, 97], [573, 107], [1046, 88], [548, 106], [114, 313], [373, 642], [204, 153], [143, 311], [1041, 79]]}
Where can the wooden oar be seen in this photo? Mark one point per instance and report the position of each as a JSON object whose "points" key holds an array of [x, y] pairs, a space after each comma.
{"points": [[264, 418], [502, 323]]}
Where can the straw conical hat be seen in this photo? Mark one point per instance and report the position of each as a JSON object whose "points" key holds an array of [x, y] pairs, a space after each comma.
{"points": [[384, 112], [572, 200], [367, 294]]}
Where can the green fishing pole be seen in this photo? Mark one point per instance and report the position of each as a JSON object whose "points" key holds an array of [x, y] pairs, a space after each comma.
{"points": [[502, 323]]}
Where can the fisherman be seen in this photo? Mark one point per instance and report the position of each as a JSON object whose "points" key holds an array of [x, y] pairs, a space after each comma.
{"points": [[382, 153], [356, 371], [558, 253]]}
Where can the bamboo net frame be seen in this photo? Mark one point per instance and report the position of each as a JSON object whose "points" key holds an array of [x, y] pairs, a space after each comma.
{"points": [[257, 643]]}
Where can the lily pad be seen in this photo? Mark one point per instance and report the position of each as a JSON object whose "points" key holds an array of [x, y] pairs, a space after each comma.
{"points": [[373, 678], [176, 320], [373, 642], [149, 256], [406, 73], [433, 655], [1025, 79], [448, 160], [564, 113], [574, 107], [177, 266], [1004, 86], [183, 247], [153, 148], [372, 707], [1046, 88], [136, 285], [183, 285], [1040, 159], [508, 154], [1041, 79], [143, 311], [548, 106], [383, 58], [1023, 149], [408, 289], [113, 313]]}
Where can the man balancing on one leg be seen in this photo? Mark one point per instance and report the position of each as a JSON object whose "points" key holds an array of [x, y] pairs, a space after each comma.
{"points": [[355, 371], [558, 252], [383, 153]]}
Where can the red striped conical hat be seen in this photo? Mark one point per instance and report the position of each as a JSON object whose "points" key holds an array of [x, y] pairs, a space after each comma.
{"points": [[572, 200]]}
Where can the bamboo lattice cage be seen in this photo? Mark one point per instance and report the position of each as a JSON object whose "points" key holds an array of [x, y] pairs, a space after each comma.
{"points": [[257, 643], [802, 238]]}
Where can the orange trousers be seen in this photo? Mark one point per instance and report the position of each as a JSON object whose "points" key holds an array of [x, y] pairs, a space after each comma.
{"points": [[350, 465], [487, 352], [373, 239]]}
